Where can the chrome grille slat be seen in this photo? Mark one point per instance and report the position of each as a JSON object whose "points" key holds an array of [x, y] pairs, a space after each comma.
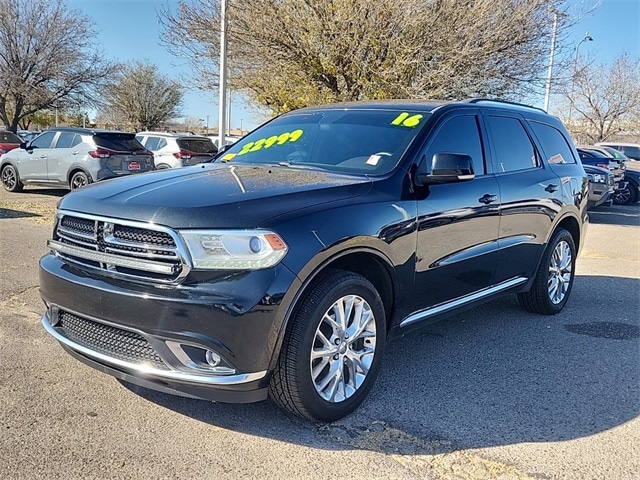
{"points": [[108, 340], [134, 250]]}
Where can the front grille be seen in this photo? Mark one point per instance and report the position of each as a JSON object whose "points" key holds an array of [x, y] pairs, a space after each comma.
{"points": [[107, 340], [131, 250]]}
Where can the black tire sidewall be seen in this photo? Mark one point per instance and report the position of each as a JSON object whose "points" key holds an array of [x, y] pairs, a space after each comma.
{"points": [[319, 408], [543, 273], [17, 186]]}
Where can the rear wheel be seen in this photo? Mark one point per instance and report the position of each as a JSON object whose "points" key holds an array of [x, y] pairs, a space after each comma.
{"points": [[553, 282], [79, 180], [626, 195], [10, 180], [332, 350]]}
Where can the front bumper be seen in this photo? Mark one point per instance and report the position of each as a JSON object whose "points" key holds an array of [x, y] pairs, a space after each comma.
{"points": [[159, 337]]}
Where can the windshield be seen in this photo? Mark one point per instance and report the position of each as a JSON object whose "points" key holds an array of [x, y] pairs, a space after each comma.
{"points": [[349, 141]]}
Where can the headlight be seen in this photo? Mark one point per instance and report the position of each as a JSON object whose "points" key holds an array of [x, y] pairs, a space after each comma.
{"points": [[595, 178], [234, 249]]}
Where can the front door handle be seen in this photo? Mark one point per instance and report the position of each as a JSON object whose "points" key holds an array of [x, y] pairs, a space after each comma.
{"points": [[487, 199], [551, 188]]}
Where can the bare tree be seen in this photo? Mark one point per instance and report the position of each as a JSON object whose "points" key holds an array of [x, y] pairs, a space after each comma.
{"points": [[47, 58], [140, 96], [292, 53], [604, 101]]}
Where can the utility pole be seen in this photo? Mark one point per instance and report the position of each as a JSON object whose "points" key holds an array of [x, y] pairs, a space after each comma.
{"points": [[547, 93], [222, 120]]}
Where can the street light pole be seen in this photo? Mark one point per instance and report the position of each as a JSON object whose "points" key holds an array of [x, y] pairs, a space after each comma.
{"points": [[222, 120], [586, 38], [547, 93]]}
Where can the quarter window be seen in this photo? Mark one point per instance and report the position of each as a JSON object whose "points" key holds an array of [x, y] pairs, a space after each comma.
{"points": [[513, 149], [459, 135]]}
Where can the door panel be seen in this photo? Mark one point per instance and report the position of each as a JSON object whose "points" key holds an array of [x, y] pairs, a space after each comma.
{"points": [[458, 223]]}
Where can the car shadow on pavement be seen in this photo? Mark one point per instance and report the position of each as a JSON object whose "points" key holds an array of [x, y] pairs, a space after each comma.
{"points": [[10, 213], [618, 215], [495, 375]]}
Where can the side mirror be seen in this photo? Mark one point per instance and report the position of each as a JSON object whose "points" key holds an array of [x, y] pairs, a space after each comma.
{"points": [[447, 168], [23, 145]]}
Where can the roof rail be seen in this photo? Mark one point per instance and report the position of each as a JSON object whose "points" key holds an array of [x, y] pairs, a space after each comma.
{"points": [[493, 100]]}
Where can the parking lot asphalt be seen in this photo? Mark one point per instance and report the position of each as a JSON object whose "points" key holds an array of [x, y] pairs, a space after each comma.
{"points": [[495, 392]]}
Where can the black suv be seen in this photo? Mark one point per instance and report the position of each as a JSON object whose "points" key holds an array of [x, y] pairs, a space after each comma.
{"points": [[283, 267]]}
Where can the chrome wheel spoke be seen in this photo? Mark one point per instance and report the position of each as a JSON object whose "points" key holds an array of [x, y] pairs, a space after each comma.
{"points": [[560, 270], [343, 348]]}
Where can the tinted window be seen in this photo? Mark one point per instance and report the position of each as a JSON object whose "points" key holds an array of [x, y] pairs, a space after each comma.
{"points": [[44, 140], [554, 144], [68, 140], [8, 137], [633, 152], [513, 149], [459, 135], [162, 142], [197, 145], [120, 142]]}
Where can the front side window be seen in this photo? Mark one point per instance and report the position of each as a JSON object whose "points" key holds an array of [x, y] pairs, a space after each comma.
{"points": [[44, 140], [513, 149], [459, 135], [355, 141]]}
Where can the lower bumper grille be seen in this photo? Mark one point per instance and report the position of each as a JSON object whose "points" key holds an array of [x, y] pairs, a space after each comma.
{"points": [[112, 341]]}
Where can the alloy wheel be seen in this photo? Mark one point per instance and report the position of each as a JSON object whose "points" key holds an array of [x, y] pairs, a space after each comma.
{"points": [[343, 348], [560, 269]]}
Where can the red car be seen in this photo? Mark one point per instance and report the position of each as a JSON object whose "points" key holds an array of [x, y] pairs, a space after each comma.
{"points": [[8, 141]]}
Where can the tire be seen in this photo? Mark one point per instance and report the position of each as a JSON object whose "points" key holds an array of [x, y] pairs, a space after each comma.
{"points": [[79, 180], [163, 166], [321, 373], [10, 179], [626, 195], [554, 280]]}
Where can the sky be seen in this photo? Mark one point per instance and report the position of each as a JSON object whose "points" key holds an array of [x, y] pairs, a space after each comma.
{"points": [[128, 30]]}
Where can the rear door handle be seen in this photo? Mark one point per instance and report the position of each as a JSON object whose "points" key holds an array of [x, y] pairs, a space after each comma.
{"points": [[487, 199], [551, 188]]}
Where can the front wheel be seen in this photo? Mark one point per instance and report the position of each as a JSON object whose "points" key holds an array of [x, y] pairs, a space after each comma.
{"points": [[553, 281], [626, 195], [332, 349], [79, 180], [10, 179]]}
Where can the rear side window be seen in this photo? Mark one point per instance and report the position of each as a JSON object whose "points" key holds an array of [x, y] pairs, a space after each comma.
{"points": [[68, 140], [8, 137], [633, 152], [554, 143], [197, 145], [459, 135], [513, 149], [120, 142]]}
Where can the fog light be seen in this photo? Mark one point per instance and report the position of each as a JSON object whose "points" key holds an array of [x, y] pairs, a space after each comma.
{"points": [[212, 358]]}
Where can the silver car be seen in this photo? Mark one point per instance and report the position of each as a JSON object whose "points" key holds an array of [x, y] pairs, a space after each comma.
{"points": [[72, 158], [174, 150]]}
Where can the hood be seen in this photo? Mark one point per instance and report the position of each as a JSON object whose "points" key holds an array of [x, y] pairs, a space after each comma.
{"points": [[214, 195]]}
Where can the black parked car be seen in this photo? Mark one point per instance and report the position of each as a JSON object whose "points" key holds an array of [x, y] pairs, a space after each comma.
{"points": [[599, 159], [285, 266]]}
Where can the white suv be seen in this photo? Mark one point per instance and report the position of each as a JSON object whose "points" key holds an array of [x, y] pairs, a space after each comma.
{"points": [[631, 150], [174, 150]]}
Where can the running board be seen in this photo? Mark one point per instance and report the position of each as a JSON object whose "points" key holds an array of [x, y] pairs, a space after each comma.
{"points": [[459, 302]]}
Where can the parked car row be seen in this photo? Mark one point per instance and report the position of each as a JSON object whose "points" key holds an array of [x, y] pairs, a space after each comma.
{"points": [[611, 179]]}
